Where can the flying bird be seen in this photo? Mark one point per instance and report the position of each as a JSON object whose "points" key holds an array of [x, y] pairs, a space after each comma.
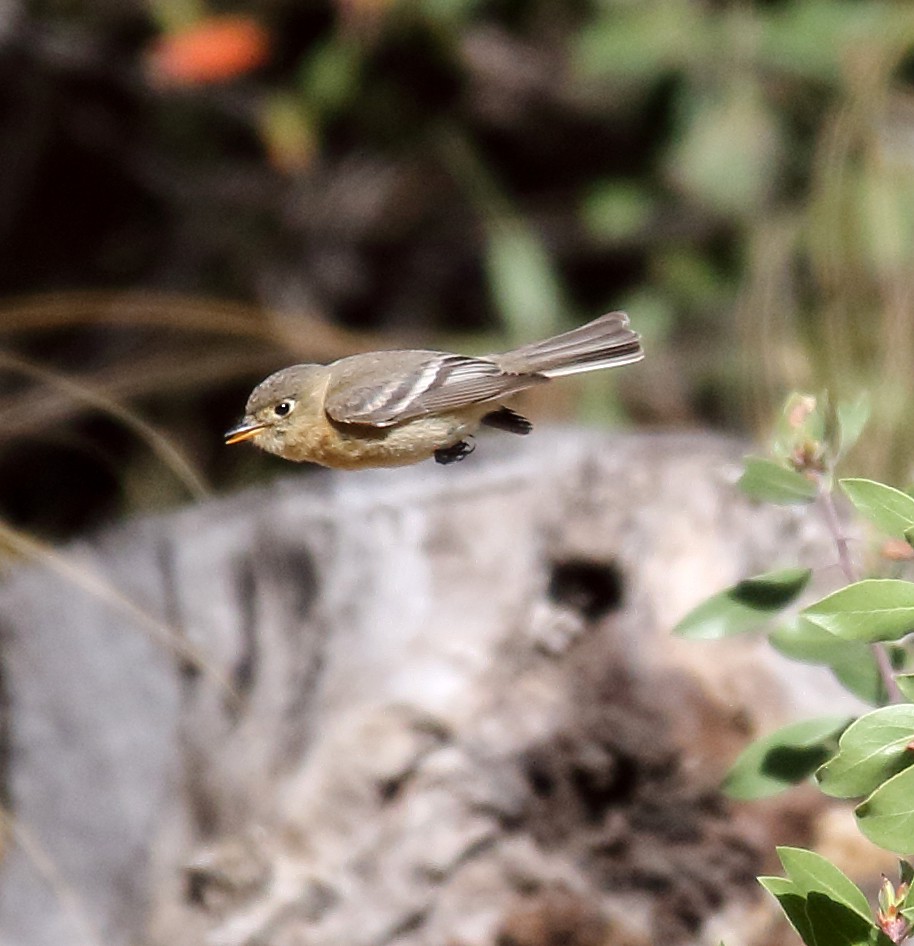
{"points": [[393, 408]]}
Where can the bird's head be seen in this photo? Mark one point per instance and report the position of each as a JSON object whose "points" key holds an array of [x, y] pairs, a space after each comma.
{"points": [[276, 406]]}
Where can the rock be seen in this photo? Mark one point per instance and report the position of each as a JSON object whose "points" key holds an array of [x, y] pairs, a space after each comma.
{"points": [[431, 705]]}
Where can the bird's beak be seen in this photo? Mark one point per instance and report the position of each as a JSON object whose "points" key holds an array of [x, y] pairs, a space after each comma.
{"points": [[244, 431]]}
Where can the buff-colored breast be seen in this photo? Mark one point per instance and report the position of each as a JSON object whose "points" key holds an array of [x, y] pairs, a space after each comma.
{"points": [[358, 446]]}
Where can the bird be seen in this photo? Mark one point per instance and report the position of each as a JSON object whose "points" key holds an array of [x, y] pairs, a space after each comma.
{"points": [[394, 408]]}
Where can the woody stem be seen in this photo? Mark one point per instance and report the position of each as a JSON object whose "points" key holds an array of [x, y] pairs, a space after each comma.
{"points": [[830, 513]]}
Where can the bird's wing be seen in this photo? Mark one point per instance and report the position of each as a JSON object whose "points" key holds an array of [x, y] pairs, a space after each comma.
{"points": [[386, 388]]}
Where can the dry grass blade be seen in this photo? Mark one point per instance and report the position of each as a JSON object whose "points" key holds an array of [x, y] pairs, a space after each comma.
{"points": [[89, 581], [304, 334], [164, 371], [255, 342], [160, 445], [45, 866]]}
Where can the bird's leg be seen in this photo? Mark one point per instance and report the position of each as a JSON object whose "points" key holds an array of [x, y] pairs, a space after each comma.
{"points": [[453, 453]]}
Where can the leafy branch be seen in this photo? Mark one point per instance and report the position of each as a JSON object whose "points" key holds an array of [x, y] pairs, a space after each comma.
{"points": [[858, 631]]}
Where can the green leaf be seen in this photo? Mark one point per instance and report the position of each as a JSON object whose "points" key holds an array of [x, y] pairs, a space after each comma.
{"points": [[888, 508], [905, 682], [783, 758], [871, 750], [778, 885], [773, 590], [727, 151], [637, 42], [852, 417], [812, 873], [811, 40], [859, 673], [523, 279], [852, 662], [836, 924], [616, 210], [331, 74], [875, 609], [802, 640], [907, 876], [689, 276], [887, 816], [448, 13], [769, 482], [744, 606], [792, 902]]}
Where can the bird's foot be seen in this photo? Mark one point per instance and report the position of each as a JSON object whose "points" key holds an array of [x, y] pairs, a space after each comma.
{"points": [[454, 453], [506, 419]]}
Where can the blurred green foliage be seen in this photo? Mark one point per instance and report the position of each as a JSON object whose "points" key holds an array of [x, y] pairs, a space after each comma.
{"points": [[738, 175]]}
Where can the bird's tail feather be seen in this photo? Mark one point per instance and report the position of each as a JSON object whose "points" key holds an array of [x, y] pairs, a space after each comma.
{"points": [[605, 342]]}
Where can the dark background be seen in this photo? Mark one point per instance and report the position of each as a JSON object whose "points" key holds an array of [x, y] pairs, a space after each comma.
{"points": [[195, 195]]}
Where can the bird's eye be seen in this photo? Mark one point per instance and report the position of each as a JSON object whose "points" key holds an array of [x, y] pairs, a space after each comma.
{"points": [[283, 408]]}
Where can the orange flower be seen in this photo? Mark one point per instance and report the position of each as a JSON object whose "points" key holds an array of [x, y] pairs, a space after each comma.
{"points": [[215, 49]]}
